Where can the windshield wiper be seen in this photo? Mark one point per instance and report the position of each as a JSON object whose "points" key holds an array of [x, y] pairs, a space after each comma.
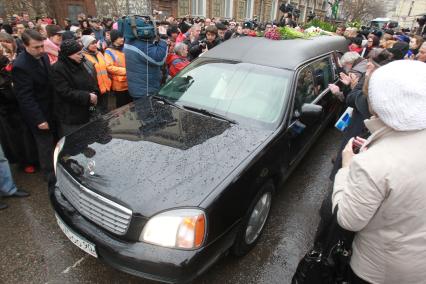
{"points": [[166, 101], [209, 113]]}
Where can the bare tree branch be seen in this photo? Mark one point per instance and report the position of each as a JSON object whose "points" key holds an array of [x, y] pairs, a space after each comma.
{"points": [[362, 10]]}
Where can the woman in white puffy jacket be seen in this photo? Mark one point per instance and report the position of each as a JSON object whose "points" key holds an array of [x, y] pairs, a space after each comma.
{"points": [[381, 192]]}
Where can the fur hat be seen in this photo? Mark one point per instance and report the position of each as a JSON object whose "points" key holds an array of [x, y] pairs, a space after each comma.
{"points": [[70, 47], [397, 94]]}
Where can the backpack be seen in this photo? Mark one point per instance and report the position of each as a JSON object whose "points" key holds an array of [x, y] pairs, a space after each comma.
{"points": [[137, 27]]}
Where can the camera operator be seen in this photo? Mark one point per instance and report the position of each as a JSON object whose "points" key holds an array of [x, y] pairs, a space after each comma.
{"points": [[144, 59], [209, 42], [290, 15]]}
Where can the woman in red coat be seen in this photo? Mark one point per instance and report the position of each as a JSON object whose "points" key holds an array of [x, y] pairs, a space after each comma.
{"points": [[178, 60]]}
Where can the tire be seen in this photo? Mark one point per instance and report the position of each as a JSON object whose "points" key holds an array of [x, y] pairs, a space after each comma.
{"points": [[246, 239]]}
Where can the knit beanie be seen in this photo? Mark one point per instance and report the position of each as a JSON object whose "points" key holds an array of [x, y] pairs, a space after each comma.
{"points": [[397, 94], [87, 40], [70, 47], [114, 34]]}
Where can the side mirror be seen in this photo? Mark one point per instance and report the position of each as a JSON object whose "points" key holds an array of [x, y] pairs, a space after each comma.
{"points": [[310, 113]]}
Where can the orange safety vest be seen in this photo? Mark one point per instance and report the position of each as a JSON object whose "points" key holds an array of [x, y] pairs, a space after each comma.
{"points": [[104, 82], [116, 66]]}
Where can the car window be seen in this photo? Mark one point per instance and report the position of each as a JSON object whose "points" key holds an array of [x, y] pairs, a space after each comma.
{"points": [[239, 91], [323, 74], [305, 90]]}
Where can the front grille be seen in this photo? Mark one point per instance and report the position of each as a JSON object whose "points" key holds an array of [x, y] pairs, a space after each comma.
{"points": [[100, 210]]}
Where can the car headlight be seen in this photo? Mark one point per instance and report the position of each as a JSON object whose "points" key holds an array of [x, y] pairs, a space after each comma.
{"points": [[181, 228], [58, 149]]}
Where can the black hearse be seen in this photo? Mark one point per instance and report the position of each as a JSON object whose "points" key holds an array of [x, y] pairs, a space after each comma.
{"points": [[163, 187]]}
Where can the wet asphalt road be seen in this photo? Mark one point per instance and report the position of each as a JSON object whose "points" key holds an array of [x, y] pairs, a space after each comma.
{"points": [[34, 250]]}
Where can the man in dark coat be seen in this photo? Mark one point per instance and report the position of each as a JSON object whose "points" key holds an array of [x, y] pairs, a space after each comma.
{"points": [[34, 94], [16, 139]]}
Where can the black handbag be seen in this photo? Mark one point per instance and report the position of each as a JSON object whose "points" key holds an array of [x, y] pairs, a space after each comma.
{"points": [[328, 261]]}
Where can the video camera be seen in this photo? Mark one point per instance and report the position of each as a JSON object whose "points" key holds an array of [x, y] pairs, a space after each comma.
{"points": [[137, 27], [203, 43], [290, 9], [249, 24]]}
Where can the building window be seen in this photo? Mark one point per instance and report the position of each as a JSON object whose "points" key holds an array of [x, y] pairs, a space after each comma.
{"points": [[245, 9], [249, 9], [218, 8], [241, 9], [228, 8], [274, 10], [198, 7], [183, 8]]}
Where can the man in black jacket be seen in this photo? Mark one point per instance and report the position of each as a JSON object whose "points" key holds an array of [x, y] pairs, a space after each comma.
{"points": [[34, 94]]}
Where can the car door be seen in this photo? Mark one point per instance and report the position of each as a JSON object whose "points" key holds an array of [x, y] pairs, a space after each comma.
{"points": [[311, 87]]}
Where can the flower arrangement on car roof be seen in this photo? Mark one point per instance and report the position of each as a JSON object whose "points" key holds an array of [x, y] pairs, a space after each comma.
{"points": [[281, 33]]}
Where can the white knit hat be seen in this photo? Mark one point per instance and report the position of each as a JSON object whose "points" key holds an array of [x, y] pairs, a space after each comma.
{"points": [[397, 94], [86, 40]]}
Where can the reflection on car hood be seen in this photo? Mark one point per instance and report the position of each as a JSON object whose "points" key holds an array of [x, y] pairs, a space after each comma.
{"points": [[150, 156]]}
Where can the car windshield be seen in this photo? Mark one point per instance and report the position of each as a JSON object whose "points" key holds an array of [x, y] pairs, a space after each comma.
{"points": [[243, 92]]}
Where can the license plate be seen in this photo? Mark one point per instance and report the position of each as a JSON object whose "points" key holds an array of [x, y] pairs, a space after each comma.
{"points": [[76, 239]]}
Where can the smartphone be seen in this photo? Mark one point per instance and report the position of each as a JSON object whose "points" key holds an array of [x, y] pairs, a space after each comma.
{"points": [[356, 148]]}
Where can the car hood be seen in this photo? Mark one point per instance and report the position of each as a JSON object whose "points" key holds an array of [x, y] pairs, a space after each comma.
{"points": [[151, 156]]}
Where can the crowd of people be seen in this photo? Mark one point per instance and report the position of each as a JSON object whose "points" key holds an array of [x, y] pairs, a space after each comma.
{"points": [[55, 79], [382, 80], [84, 65]]}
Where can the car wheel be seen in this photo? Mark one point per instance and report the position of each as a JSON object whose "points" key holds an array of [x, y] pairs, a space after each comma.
{"points": [[254, 221]]}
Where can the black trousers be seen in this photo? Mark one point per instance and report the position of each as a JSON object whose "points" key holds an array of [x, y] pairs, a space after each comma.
{"points": [[45, 144], [17, 140], [122, 98]]}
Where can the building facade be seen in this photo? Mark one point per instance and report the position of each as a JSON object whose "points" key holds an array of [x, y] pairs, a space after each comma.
{"points": [[71, 8], [263, 10], [407, 11], [58, 9]]}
